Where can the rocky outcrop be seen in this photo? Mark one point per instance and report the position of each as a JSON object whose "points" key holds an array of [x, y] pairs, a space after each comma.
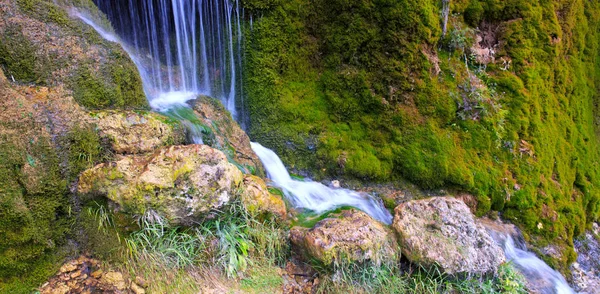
{"points": [[132, 132], [585, 272], [43, 42], [180, 182], [85, 275], [351, 236], [442, 232], [227, 135], [258, 200]]}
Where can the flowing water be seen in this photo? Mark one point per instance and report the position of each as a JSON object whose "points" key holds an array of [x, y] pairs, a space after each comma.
{"points": [[539, 275], [316, 196]]}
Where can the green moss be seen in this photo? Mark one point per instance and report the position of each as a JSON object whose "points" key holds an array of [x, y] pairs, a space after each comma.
{"points": [[347, 89], [18, 57], [85, 150], [32, 199], [122, 88]]}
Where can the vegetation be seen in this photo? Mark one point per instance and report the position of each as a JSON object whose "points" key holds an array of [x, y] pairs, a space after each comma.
{"points": [[352, 89], [368, 278], [32, 207]]}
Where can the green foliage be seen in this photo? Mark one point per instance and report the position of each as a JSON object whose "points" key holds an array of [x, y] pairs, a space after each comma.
{"points": [[349, 89], [387, 278]]}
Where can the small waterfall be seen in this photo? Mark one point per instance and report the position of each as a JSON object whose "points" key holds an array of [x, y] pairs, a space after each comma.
{"points": [[183, 47], [540, 277], [315, 196]]}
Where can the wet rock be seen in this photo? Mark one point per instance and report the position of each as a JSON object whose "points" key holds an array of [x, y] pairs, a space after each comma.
{"points": [[138, 132], [442, 232], [182, 183], [585, 273], [350, 236], [258, 200], [335, 184], [226, 134]]}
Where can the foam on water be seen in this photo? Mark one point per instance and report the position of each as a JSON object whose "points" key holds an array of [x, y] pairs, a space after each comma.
{"points": [[167, 100], [316, 196]]}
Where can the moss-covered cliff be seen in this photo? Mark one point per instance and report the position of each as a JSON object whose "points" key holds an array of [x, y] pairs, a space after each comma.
{"points": [[53, 68], [504, 106]]}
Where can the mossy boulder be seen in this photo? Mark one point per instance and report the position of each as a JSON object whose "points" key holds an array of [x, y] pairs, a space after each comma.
{"points": [[257, 199], [351, 236], [228, 136], [182, 183], [42, 43], [132, 132], [442, 232]]}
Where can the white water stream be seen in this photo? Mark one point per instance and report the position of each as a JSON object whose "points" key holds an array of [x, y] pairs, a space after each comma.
{"points": [[541, 277], [316, 196]]}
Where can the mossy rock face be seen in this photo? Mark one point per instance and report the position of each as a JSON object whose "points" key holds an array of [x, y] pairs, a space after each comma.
{"points": [[44, 45], [132, 132], [182, 183], [352, 236], [32, 194]]}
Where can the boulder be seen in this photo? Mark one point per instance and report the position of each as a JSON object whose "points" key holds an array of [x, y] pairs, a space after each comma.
{"points": [[227, 134], [442, 232], [180, 182], [351, 236], [132, 132], [258, 200]]}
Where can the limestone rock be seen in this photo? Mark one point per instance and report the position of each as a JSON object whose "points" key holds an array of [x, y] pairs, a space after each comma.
{"points": [[138, 132], [115, 279], [180, 182], [442, 231], [258, 200], [352, 236], [227, 135]]}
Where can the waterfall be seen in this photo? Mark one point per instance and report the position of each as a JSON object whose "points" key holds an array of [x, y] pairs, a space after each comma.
{"points": [[183, 47]]}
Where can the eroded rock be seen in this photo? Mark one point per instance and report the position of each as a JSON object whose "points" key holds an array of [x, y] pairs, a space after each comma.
{"points": [[258, 200], [228, 136], [180, 182], [138, 132], [351, 236], [442, 231]]}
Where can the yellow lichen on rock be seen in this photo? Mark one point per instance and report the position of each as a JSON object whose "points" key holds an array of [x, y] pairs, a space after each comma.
{"points": [[258, 200]]}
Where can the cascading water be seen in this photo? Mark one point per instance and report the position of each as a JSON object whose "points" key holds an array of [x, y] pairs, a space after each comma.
{"points": [[315, 196], [183, 47], [541, 277]]}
